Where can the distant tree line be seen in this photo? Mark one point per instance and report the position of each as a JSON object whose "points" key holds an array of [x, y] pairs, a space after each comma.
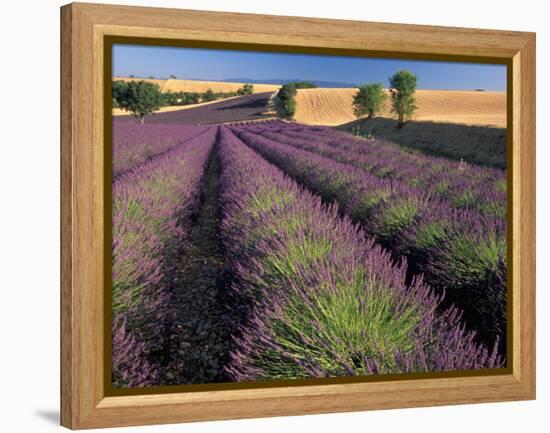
{"points": [[141, 98], [287, 95]]}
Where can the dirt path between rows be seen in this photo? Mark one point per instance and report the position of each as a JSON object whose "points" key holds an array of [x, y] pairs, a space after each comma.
{"points": [[201, 335]]}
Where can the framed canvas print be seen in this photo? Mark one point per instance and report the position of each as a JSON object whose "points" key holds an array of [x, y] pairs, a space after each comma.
{"points": [[268, 216]]}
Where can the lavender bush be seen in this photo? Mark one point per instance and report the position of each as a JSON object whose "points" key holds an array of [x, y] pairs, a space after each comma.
{"points": [[323, 300], [133, 143], [151, 207], [461, 251], [464, 186]]}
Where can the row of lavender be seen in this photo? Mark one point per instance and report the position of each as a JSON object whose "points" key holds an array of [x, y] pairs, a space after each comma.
{"points": [[134, 144], [463, 186], [320, 298], [461, 252], [151, 207]]}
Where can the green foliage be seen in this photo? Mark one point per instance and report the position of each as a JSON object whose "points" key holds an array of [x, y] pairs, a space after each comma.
{"points": [[118, 89], [357, 315], [403, 88], [170, 98], [367, 203], [173, 77], [247, 89], [369, 100], [290, 107], [139, 98], [360, 324], [187, 98], [208, 95], [465, 200], [180, 98], [474, 259], [429, 236], [398, 215], [302, 85], [287, 91], [287, 94], [192, 98]]}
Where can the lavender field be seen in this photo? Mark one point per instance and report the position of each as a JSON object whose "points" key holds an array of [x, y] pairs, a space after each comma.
{"points": [[268, 250]]}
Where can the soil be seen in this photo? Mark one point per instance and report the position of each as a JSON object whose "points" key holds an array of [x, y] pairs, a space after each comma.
{"points": [[200, 337]]}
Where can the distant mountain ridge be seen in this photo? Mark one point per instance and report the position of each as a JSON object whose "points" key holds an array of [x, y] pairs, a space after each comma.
{"points": [[281, 81]]}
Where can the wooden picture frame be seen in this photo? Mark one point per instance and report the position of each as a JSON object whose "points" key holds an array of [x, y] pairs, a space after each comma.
{"points": [[84, 29]]}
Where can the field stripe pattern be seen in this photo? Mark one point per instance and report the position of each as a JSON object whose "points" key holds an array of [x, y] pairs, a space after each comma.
{"points": [[319, 298], [133, 144], [465, 186], [151, 204], [460, 252]]}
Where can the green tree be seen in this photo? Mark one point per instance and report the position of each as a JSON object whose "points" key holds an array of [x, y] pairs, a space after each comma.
{"points": [[141, 98], [369, 100], [403, 88], [192, 98], [118, 89], [209, 95], [302, 84], [290, 107], [287, 94], [247, 89], [173, 77], [170, 98]]}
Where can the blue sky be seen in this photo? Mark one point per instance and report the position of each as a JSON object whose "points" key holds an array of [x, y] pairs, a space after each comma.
{"points": [[209, 64]]}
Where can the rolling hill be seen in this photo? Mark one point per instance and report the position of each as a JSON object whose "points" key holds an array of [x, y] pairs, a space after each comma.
{"points": [[332, 107], [174, 85]]}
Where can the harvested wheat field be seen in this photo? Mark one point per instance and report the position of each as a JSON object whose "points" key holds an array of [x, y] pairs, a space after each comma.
{"points": [[323, 106], [172, 85], [216, 86]]}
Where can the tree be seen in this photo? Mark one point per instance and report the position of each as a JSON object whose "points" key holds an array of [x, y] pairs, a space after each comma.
{"points": [[369, 100], [170, 98], [192, 98], [209, 95], [290, 107], [141, 98], [302, 84], [287, 94], [118, 89], [173, 77], [403, 88], [247, 89]]}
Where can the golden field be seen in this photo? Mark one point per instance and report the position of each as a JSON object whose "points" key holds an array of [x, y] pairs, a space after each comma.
{"points": [[174, 85], [323, 106]]}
